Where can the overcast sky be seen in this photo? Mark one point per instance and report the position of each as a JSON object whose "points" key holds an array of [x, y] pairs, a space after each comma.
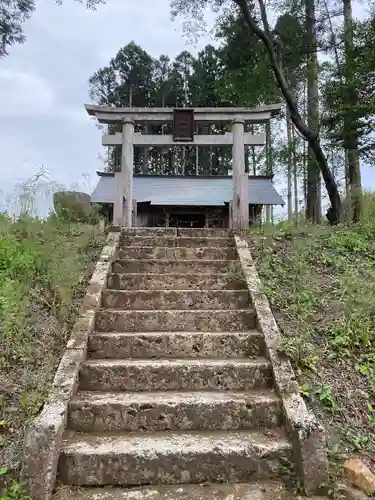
{"points": [[43, 84]]}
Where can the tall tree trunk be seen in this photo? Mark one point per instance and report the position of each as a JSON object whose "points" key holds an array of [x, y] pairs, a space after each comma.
{"points": [[197, 153], [289, 164], [295, 174], [162, 151], [161, 163], [145, 156], [305, 176], [313, 175], [247, 163], [211, 150], [347, 188], [346, 168], [183, 162], [174, 164], [313, 139], [269, 167], [351, 139], [130, 97], [247, 149], [253, 158], [334, 168], [304, 148]]}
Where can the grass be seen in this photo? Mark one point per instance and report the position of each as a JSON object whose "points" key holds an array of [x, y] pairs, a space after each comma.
{"points": [[320, 282], [44, 269]]}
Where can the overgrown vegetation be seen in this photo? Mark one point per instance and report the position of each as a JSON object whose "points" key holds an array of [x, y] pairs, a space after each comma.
{"points": [[44, 268], [74, 206], [321, 285]]}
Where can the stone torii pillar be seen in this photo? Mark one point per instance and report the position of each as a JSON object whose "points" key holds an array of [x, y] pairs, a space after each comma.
{"points": [[122, 213], [240, 203]]}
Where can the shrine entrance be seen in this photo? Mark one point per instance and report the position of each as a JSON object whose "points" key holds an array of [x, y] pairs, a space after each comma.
{"points": [[184, 121], [186, 219]]}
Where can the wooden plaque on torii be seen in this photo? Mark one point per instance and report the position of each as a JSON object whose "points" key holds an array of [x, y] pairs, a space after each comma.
{"points": [[183, 124]]}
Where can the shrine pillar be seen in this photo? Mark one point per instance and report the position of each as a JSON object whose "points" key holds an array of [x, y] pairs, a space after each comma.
{"points": [[123, 207], [240, 201]]}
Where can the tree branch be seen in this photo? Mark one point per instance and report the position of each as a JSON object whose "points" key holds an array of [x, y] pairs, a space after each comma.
{"points": [[312, 138]]}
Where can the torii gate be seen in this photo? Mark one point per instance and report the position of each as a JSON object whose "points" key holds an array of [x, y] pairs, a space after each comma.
{"points": [[183, 120]]}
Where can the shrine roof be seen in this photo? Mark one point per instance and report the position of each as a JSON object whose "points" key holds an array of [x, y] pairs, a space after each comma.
{"points": [[187, 190]]}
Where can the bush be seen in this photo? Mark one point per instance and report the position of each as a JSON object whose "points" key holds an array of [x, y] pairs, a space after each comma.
{"points": [[73, 206], [44, 267]]}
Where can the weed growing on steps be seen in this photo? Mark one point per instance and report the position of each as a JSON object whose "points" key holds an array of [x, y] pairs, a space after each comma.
{"points": [[235, 274], [44, 267], [11, 489], [252, 351], [321, 285]]}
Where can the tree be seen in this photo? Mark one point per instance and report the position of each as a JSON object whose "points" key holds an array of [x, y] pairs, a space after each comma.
{"points": [[203, 83], [134, 71], [134, 78], [247, 80], [313, 207], [274, 50], [349, 100], [13, 14], [245, 76], [127, 80]]}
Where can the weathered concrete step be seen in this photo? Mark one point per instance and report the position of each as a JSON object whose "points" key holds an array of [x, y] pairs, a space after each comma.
{"points": [[167, 241], [172, 458], [176, 232], [135, 281], [177, 253], [175, 345], [186, 411], [135, 375], [228, 491], [175, 299], [112, 320], [161, 266]]}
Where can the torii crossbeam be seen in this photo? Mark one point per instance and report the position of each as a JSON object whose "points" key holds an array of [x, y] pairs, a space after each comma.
{"points": [[183, 120]]}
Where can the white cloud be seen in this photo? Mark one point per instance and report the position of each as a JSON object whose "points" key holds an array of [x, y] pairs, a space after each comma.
{"points": [[24, 94], [44, 82]]}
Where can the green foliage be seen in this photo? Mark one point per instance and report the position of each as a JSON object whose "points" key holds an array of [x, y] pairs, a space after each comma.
{"points": [[321, 285], [11, 489], [246, 78], [72, 206], [134, 77], [43, 270], [349, 92], [13, 15]]}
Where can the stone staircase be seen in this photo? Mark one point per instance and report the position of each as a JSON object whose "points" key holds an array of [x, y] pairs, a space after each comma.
{"points": [[176, 390]]}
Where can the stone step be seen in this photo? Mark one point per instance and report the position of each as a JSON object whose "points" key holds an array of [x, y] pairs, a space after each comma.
{"points": [[161, 266], [176, 232], [167, 241], [177, 253], [185, 411], [175, 299], [203, 232], [112, 320], [172, 457], [270, 490], [182, 345], [135, 281], [133, 375]]}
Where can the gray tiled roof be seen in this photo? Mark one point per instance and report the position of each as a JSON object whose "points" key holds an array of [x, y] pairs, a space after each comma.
{"points": [[184, 190]]}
